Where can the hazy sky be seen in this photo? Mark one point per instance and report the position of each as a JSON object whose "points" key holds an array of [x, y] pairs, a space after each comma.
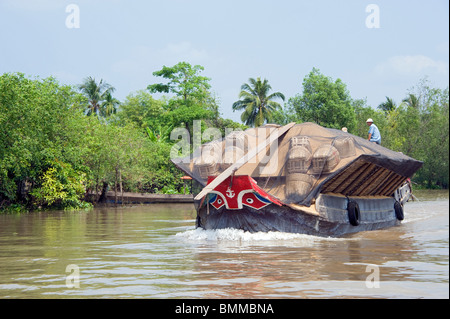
{"points": [[377, 51]]}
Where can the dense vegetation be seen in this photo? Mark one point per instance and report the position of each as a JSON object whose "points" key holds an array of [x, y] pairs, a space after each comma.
{"points": [[418, 126], [59, 143]]}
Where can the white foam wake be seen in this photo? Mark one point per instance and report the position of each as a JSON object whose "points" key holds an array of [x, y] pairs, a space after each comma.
{"points": [[237, 235]]}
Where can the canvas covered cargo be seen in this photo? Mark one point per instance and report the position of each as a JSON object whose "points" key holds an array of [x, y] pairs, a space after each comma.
{"points": [[304, 161]]}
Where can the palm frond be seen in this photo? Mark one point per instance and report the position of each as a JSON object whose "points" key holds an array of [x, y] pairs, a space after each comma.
{"points": [[257, 104], [276, 95], [99, 96]]}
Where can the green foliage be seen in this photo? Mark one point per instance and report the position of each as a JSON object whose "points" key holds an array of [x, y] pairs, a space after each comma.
{"points": [[324, 102], [387, 106], [226, 125], [285, 115], [185, 115], [192, 101], [41, 120], [160, 172], [143, 110], [160, 135], [362, 113], [60, 186], [184, 81], [99, 97], [427, 125], [257, 103], [109, 105]]}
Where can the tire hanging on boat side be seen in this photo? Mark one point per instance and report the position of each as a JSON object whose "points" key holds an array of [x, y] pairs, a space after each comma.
{"points": [[353, 213], [398, 208]]}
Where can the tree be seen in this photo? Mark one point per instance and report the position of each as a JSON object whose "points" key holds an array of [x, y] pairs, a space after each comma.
{"points": [[256, 102], [388, 105], [362, 113], [324, 102], [412, 101], [284, 115], [109, 105], [184, 81], [41, 123], [192, 101], [60, 186], [143, 110], [96, 94], [432, 131], [160, 135], [419, 127]]}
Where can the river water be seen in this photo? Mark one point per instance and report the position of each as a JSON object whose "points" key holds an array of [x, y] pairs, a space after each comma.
{"points": [[155, 251]]}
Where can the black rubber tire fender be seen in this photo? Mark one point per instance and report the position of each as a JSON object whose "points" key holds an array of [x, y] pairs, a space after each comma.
{"points": [[353, 213], [398, 208]]}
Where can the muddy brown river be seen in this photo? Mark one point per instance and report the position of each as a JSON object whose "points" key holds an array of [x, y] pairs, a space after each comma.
{"points": [[154, 251]]}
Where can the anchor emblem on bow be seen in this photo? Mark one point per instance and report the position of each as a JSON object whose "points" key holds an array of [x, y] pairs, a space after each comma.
{"points": [[230, 193]]}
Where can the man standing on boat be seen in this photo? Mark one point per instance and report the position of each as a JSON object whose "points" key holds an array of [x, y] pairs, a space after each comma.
{"points": [[374, 133]]}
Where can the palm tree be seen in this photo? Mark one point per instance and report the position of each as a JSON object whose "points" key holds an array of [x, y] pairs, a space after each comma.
{"points": [[388, 105], [412, 101], [96, 94], [258, 106], [109, 105]]}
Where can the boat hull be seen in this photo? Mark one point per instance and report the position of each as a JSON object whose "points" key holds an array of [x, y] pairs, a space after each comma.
{"points": [[331, 217]]}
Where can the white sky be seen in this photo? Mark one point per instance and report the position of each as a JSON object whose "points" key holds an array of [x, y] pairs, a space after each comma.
{"points": [[124, 42]]}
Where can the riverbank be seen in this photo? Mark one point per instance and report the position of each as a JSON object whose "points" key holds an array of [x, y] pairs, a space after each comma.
{"points": [[144, 198]]}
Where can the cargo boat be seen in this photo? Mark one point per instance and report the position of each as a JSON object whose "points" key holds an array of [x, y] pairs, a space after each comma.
{"points": [[299, 178]]}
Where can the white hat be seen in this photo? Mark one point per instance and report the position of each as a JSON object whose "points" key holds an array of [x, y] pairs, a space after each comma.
{"points": [[369, 121]]}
